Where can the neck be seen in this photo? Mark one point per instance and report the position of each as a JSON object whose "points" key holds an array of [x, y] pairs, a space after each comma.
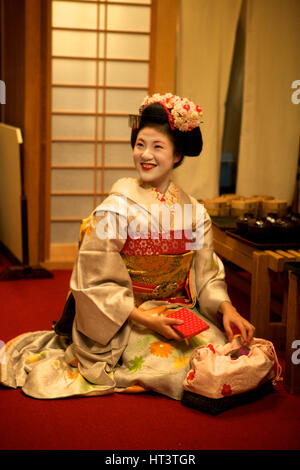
{"points": [[164, 187]]}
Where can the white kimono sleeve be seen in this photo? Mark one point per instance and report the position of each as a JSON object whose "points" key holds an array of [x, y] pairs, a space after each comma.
{"points": [[101, 286], [211, 288]]}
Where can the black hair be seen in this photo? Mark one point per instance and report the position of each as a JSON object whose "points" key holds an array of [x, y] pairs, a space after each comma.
{"points": [[185, 143]]}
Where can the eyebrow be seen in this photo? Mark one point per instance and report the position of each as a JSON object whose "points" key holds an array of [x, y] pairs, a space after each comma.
{"points": [[155, 141]]}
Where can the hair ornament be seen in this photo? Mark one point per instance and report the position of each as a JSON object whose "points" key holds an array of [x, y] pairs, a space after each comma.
{"points": [[183, 114]]}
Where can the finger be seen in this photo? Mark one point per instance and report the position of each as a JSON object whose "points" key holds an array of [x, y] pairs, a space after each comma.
{"points": [[251, 330], [170, 333], [176, 335], [174, 321], [244, 332], [228, 330]]}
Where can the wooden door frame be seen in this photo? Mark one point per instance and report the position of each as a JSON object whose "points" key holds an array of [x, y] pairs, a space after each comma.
{"points": [[26, 61]]}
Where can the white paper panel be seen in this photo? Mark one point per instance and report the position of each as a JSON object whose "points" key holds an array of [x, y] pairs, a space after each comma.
{"points": [[75, 127], [118, 154], [65, 232], [74, 15], [111, 176], [74, 43], [117, 128], [74, 153], [133, 46], [71, 206], [72, 71], [73, 99], [126, 18], [72, 180], [127, 73], [127, 101]]}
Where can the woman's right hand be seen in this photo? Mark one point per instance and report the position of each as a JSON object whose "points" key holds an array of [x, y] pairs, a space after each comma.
{"points": [[155, 320]]}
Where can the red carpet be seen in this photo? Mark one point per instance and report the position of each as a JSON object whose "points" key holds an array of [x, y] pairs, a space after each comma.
{"points": [[120, 422]]}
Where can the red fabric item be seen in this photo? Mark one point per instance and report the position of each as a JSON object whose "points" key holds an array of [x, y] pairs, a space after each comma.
{"points": [[192, 325]]}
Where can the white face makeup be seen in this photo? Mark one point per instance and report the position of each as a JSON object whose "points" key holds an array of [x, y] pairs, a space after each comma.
{"points": [[153, 156]]}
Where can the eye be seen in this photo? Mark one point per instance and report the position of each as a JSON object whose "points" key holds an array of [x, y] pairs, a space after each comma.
{"points": [[157, 146], [139, 144]]}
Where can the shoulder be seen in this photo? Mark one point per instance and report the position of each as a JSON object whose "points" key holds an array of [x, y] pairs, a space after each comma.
{"points": [[124, 186]]}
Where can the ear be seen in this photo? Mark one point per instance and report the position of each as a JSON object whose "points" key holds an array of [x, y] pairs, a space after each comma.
{"points": [[177, 157]]}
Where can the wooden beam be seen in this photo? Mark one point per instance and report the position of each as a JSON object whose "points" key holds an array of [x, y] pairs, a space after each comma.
{"points": [[163, 46]]}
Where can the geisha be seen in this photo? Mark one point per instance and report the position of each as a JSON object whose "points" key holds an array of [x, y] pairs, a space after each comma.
{"points": [[135, 266]]}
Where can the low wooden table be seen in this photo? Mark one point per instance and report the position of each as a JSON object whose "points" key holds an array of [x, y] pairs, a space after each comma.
{"points": [[258, 263]]}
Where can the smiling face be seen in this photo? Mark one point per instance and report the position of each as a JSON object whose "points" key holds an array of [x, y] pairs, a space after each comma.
{"points": [[154, 157]]}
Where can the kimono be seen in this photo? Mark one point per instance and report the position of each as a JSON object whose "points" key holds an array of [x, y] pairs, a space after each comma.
{"points": [[139, 248]]}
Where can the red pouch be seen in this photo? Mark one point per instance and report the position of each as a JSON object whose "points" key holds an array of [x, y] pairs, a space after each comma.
{"points": [[192, 325]]}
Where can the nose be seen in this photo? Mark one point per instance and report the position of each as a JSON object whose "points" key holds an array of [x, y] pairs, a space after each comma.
{"points": [[146, 154]]}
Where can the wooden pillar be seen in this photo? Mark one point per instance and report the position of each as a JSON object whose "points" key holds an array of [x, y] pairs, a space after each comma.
{"points": [[24, 68], [163, 46], [260, 294]]}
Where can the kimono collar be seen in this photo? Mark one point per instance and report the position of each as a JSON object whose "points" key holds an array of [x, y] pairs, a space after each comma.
{"points": [[170, 197], [146, 195]]}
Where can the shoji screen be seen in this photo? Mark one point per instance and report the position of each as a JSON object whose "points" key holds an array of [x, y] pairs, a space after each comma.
{"points": [[100, 73]]}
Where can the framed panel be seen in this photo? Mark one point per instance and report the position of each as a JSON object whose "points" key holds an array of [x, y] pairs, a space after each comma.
{"points": [[72, 180], [118, 154], [74, 15], [76, 71], [122, 17], [74, 153], [116, 128], [134, 74], [127, 46], [74, 99], [79, 127], [74, 43], [67, 206], [65, 232], [123, 101]]}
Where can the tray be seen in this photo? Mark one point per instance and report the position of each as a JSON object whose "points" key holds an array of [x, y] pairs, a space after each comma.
{"points": [[224, 222], [264, 246]]}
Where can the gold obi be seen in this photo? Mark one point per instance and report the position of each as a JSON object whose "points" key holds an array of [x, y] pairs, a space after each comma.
{"points": [[159, 276]]}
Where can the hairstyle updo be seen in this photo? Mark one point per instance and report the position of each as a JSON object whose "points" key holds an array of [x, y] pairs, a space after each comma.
{"points": [[185, 143]]}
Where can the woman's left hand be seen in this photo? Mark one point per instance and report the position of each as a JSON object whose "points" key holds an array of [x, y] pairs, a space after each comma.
{"points": [[232, 317]]}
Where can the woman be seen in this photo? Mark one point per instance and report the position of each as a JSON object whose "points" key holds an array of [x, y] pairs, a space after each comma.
{"points": [[145, 252]]}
